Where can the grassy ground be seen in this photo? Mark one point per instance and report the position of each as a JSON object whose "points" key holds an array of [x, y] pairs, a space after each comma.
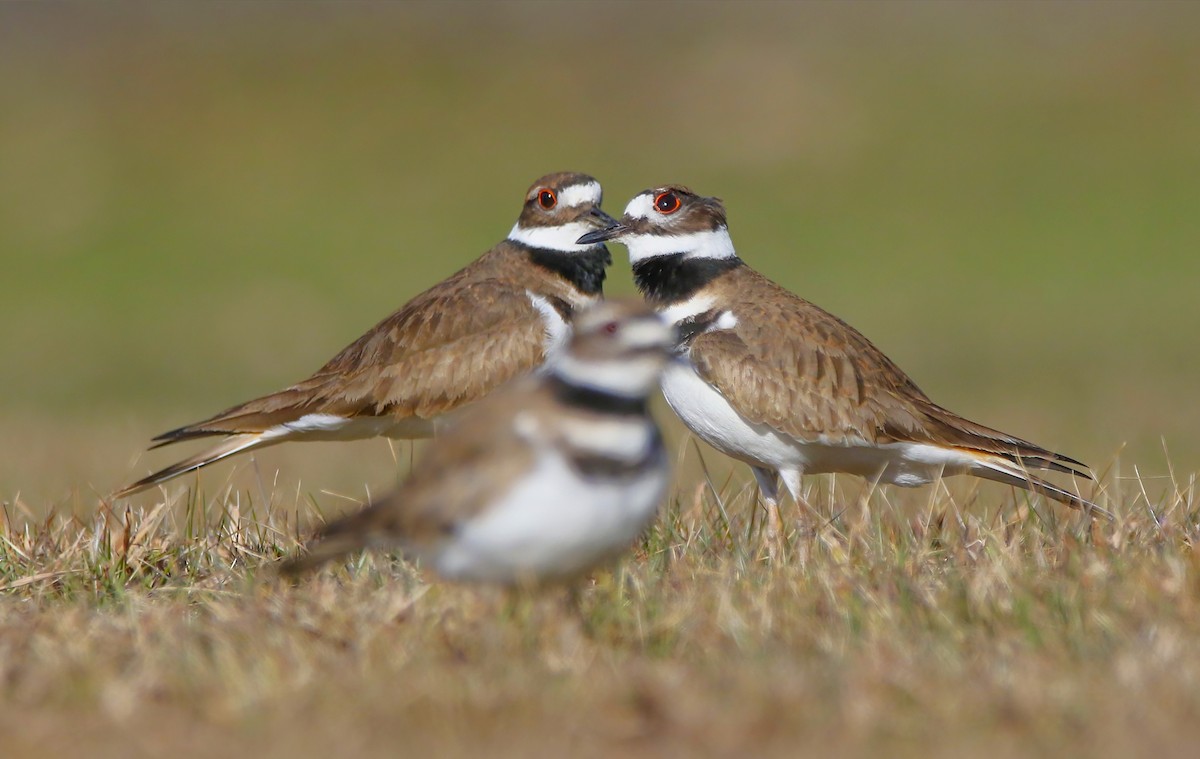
{"points": [[199, 207], [927, 624]]}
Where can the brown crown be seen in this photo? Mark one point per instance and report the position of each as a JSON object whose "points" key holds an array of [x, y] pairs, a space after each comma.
{"points": [[535, 215], [696, 213]]}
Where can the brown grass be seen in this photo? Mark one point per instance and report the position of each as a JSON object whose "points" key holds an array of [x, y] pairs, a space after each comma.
{"points": [[934, 621]]}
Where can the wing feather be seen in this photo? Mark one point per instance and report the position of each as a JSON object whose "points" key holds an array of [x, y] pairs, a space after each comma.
{"points": [[789, 364], [447, 347]]}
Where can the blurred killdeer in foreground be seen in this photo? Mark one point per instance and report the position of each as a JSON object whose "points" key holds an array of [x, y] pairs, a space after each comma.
{"points": [[540, 481], [502, 316], [790, 389]]}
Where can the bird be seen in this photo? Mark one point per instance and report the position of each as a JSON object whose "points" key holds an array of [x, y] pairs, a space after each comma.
{"points": [[502, 316], [775, 381], [540, 481]]}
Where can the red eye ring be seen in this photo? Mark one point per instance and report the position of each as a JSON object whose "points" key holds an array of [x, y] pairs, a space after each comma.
{"points": [[611, 328], [667, 202], [547, 198]]}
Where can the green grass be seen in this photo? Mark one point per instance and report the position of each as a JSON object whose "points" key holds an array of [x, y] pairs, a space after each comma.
{"points": [[197, 207]]}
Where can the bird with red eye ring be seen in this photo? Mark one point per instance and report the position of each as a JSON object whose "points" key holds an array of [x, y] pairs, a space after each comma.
{"points": [[667, 203], [547, 199], [611, 328]]}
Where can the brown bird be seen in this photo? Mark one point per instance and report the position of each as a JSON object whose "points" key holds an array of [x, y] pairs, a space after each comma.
{"points": [[789, 388], [540, 481], [502, 316]]}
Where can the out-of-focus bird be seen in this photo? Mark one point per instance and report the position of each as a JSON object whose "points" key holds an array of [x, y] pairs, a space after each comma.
{"points": [[540, 481]]}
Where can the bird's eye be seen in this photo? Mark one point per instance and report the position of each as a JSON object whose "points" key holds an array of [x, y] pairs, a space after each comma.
{"points": [[547, 199], [611, 328], [667, 202]]}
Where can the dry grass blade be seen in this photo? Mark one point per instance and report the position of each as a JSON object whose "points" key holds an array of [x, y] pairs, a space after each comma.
{"points": [[865, 631]]}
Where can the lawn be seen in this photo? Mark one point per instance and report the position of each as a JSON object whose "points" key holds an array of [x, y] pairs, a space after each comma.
{"points": [[197, 207]]}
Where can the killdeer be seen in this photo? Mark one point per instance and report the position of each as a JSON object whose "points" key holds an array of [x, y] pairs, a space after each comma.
{"points": [[502, 316], [787, 387], [540, 481]]}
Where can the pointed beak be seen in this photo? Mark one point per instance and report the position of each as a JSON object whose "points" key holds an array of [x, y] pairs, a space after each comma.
{"points": [[611, 229], [599, 219]]}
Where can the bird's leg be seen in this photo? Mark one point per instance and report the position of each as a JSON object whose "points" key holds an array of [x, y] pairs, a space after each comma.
{"points": [[768, 487], [791, 480]]}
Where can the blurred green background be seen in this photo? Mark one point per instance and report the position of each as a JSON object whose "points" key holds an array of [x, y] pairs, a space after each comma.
{"points": [[200, 203]]}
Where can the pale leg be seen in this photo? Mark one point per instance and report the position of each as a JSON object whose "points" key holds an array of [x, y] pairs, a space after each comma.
{"points": [[768, 486], [791, 481]]}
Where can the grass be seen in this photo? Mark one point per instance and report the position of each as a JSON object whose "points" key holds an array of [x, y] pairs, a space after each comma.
{"points": [[197, 207], [931, 621]]}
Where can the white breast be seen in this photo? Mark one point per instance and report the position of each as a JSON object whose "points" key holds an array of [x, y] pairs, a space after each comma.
{"points": [[553, 523], [706, 413], [558, 332]]}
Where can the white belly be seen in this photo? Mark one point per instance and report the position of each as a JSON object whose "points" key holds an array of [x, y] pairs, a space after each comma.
{"points": [[553, 524], [904, 464], [709, 415], [706, 413]]}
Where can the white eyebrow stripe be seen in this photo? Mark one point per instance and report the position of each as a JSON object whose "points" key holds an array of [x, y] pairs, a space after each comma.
{"points": [[713, 243], [581, 194], [641, 207], [561, 238]]}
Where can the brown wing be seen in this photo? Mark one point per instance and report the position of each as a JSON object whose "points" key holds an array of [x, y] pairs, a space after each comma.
{"points": [[448, 346], [796, 367], [803, 371]]}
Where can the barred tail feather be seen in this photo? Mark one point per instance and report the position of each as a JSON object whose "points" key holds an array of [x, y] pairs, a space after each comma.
{"points": [[232, 445], [999, 469], [1072, 467]]}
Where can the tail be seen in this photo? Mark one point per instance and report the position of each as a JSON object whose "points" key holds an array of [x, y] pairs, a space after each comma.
{"points": [[1011, 471], [228, 447], [995, 455]]}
